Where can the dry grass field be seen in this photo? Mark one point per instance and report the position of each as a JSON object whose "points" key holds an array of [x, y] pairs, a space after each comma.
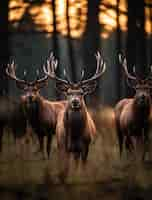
{"points": [[106, 176]]}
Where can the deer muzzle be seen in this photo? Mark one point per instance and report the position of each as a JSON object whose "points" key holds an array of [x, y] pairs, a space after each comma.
{"points": [[75, 103]]}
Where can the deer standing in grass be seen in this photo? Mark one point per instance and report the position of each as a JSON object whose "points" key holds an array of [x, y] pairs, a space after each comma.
{"points": [[75, 128], [41, 114], [133, 115]]}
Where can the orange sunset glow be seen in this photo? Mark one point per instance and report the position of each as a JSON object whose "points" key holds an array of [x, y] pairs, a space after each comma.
{"points": [[39, 16]]}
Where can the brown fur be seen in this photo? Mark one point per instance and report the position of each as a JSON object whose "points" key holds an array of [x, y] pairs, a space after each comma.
{"points": [[42, 117], [132, 123], [64, 130]]}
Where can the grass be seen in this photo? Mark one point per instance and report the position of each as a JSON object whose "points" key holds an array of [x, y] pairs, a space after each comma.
{"points": [[104, 164]]}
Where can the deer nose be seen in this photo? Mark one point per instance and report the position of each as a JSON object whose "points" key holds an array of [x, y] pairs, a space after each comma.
{"points": [[75, 102]]}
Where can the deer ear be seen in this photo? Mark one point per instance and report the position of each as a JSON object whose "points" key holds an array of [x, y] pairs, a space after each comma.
{"points": [[61, 88], [89, 87]]}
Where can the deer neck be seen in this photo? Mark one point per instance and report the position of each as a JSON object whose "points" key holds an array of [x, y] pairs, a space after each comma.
{"points": [[34, 109], [141, 111], [75, 118], [75, 123]]}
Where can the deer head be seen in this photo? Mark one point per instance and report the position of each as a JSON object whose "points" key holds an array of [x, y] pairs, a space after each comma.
{"points": [[75, 92], [142, 87], [30, 89]]}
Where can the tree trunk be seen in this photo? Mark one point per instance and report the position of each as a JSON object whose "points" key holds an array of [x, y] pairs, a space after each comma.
{"points": [[131, 41], [118, 51], [141, 39], [91, 39], [70, 48], [4, 41]]}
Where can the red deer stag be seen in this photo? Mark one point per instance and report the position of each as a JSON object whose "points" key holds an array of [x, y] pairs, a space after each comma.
{"points": [[133, 114], [40, 113], [75, 127]]}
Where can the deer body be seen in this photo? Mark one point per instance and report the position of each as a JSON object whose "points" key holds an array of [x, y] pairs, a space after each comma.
{"points": [[42, 117], [41, 114], [75, 127], [78, 131], [133, 115], [133, 125]]}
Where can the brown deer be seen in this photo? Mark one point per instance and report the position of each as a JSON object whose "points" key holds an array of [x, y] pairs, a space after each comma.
{"points": [[75, 127], [41, 114], [133, 115]]}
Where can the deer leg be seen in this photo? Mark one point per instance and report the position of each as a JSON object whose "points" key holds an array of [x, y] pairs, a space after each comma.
{"points": [[145, 143], [40, 143], [41, 149], [22, 147], [120, 139], [17, 147], [29, 138], [129, 144], [49, 142], [84, 154], [29, 142], [64, 164], [1, 137], [139, 147], [76, 162], [84, 157]]}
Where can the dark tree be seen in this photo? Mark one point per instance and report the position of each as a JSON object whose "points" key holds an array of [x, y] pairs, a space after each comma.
{"points": [[131, 40], [136, 48], [118, 51], [4, 41], [54, 37], [150, 50], [91, 39], [141, 38], [70, 47]]}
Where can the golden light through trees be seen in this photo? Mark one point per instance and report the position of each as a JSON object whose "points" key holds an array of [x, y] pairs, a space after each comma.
{"points": [[38, 16], [108, 16], [16, 11], [148, 16], [77, 17], [26, 16]]}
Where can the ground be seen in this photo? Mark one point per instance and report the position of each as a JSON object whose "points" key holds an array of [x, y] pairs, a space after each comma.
{"points": [[106, 176]]}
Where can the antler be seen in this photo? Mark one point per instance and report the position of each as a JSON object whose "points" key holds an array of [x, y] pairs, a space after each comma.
{"points": [[101, 67], [149, 78], [124, 64], [50, 69], [10, 71], [41, 80]]}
